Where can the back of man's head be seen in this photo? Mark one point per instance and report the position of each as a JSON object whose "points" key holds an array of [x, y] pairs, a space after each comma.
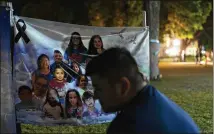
{"points": [[112, 64]]}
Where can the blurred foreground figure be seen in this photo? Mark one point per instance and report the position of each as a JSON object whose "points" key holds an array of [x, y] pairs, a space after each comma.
{"points": [[120, 87]]}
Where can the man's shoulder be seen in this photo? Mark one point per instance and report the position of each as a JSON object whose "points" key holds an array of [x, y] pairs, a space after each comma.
{"points": [[152, 111]]}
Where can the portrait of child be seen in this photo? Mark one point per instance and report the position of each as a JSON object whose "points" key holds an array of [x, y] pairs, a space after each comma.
{"points": [[88, 99], [75, 73], [59, 83], [26, 97], [73, 104], [52, 108], [82, 82], [40, 88]]}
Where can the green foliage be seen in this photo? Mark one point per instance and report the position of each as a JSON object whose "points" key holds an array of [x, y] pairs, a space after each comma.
{"points": [[93, 12], [206, 36], [206, 40], [185, 17], [118, 14], [99, 12], [121, 13], [134, 13]]}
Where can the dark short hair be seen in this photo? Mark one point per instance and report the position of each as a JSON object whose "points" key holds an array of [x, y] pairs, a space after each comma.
{"points": [[86, 95], [114, 62], [57, 51], [24, 87]]}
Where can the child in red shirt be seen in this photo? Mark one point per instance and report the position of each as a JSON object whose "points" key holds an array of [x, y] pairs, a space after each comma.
{"points": [[59, 83]]}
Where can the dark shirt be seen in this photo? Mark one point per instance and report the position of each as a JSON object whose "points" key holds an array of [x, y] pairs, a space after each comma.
{"points": [[75, 55], [152, 112]]}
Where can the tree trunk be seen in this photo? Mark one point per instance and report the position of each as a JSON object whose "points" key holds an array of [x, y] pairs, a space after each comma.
{"points": [[154, 12], [184, 45]]}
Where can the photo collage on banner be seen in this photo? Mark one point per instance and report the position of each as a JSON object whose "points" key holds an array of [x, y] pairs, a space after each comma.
{"points": [[49, 77]]}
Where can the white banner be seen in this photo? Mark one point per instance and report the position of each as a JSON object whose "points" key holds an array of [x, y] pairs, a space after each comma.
{"points": [[35, 37]]}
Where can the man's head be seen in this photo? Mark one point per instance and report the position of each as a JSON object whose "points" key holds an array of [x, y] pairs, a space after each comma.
{"points": [[25, 93], [40, 86], [114, 76], [57, 56]]}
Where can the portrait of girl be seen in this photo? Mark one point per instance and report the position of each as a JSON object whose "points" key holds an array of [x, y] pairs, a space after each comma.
{"points": [[77, 70], [75, 47], [59, 83], [73, 104], [95, 46], [82, 82], [52, 108]]}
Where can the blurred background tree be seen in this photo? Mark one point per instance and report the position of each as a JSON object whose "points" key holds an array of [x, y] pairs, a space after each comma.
{"points": [[184, 19], [115, 13], [181, 19]]}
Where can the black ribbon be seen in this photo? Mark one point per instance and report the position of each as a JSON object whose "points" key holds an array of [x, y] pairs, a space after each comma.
{"points": [[21, 32]]}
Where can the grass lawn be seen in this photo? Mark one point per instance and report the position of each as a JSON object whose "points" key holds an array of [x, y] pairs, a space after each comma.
{"points": [[190, 86]]}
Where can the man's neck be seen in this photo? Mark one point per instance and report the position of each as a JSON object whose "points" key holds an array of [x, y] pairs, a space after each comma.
{"points": [[140, 84]]}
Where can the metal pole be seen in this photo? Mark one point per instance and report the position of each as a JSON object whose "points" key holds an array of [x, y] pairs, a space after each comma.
{"points": [[144, 19], [8, 114]]}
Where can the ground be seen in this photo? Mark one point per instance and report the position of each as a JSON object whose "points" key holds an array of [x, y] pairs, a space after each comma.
{"points": [[189, 85]]}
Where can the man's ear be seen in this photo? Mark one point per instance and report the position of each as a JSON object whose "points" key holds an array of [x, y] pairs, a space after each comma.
{"points": [[124, 87]]}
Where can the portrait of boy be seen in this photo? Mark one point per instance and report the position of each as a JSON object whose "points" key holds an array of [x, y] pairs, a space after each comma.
{"points": [[88, 99], [27, 102]]}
